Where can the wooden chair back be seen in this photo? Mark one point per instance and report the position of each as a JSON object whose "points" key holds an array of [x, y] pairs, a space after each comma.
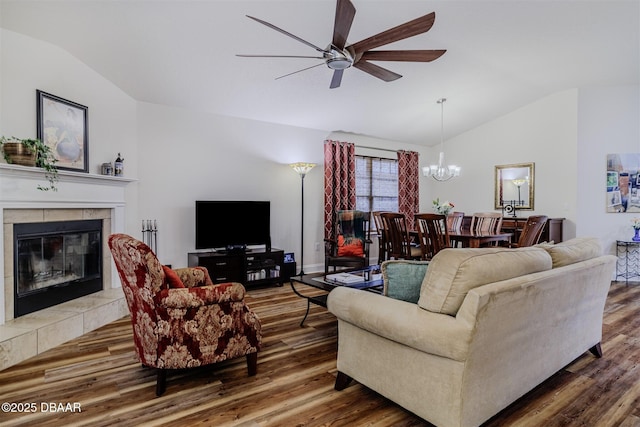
{"points": [[532, 230], [377, 221], [486, 222], [380, 234], [397, 237], [433, 234], [454, 221]]}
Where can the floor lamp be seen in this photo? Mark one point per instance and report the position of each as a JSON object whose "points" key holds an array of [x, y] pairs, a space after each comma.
{"points": [[302, 168]]}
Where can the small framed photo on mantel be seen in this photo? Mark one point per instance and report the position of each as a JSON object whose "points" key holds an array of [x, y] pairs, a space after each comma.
{"points": [[62, 125]]}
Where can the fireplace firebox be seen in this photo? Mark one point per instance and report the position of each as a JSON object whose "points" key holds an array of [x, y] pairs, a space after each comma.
{"points": [[55, 262]]}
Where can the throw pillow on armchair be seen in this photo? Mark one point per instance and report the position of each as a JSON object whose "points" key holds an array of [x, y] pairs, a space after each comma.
{"points": [[172, 278]]}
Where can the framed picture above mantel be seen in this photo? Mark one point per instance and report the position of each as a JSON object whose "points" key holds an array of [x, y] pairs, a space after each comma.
{"points": [[62, 125]]}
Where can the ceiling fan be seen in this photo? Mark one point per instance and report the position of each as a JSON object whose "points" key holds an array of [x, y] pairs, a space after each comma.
{"points": [[338, 57]]}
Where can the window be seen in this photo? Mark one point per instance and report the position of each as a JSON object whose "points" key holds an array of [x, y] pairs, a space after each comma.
{"points": [[376, 184]]}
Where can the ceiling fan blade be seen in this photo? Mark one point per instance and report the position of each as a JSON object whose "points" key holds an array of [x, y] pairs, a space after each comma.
{"points": [[401, 32], [299, 71], [279, 56], [402, 55], [377, 71], [345, 11], [336, 79], [286, 33]]}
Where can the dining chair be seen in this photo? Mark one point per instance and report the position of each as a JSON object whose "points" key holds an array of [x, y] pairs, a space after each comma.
{"points": [[454, 221], [454, 225], [531, 231], [487, 223], [433, 234], [379, 229], [399, 245]]}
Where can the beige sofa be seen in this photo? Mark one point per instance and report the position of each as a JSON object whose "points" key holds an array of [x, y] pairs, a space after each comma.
{"points": [[488, 326]]}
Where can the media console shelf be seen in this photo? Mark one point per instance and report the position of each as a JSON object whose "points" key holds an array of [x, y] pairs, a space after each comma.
{"points": [[251, 268]]}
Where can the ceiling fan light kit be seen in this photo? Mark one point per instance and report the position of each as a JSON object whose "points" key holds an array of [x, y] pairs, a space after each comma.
{"points": [[338, 56], [337, 60]]}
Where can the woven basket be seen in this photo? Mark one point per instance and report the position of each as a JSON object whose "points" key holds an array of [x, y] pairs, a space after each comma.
{"points": [[19, 154]]}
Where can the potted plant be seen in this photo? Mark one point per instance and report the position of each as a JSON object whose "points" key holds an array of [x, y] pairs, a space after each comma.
{"points": [[31, 152]]}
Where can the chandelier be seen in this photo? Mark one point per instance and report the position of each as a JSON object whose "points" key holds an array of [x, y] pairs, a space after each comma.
{"points": [[440, 172]]}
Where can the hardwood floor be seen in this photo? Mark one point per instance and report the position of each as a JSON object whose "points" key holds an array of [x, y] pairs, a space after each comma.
{"points": [[294, 384]]}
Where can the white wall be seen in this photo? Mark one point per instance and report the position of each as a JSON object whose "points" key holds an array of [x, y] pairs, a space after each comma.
{"points": [[544, 132], [1, 62], [190, 155], [609, 122], [28, 64], [567, 135]]}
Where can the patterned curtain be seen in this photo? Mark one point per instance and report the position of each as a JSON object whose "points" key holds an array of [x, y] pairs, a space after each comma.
{"points": [[408, 187], [339, 181]]}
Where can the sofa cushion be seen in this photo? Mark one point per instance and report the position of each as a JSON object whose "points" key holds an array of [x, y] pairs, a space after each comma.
{"points": [[403, 279], [574, 250], [452, 273]]}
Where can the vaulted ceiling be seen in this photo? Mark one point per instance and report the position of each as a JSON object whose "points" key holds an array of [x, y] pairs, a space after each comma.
{"points": [[501, 55]]}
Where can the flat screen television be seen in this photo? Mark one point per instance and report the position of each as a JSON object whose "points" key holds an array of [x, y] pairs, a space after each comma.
{"points": [[227, 224]]}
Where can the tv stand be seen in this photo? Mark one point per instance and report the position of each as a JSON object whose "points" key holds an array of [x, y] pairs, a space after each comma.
{"points": [[254, 267]]}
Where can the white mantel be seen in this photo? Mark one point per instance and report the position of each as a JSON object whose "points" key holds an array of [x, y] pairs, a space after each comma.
{"points": [[19, 186], [76, 190]]}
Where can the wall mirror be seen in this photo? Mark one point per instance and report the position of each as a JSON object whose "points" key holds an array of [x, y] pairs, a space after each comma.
{"points": [[514, 187]]}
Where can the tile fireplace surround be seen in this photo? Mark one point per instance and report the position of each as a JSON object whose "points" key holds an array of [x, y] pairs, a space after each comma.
{"points": [[79, 196]]}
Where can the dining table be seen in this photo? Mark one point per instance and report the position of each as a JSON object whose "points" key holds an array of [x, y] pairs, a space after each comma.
{"points": [[470, 239]]}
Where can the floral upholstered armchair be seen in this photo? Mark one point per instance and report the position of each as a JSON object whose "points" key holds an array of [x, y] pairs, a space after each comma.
{"points": [[180, 318]]}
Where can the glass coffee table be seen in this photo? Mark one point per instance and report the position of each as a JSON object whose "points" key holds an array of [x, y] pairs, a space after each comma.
{"points": [[368, 278]]}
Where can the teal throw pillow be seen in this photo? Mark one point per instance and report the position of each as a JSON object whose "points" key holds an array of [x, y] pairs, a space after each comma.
{"points": [[403, 279]]}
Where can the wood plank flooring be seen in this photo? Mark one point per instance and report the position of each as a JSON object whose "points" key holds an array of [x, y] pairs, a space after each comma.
{"points": [[294, 385]]}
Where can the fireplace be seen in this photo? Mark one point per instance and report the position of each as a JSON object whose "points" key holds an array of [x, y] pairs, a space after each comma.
{"points": [[55, 262], [80, 197]]}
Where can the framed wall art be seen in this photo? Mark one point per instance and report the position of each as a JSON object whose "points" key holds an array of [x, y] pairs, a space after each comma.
{"points": [[62, 125], [623, 182]]}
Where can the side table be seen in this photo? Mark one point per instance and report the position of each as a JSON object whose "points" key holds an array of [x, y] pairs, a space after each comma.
{"points": [[628, 264]]}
